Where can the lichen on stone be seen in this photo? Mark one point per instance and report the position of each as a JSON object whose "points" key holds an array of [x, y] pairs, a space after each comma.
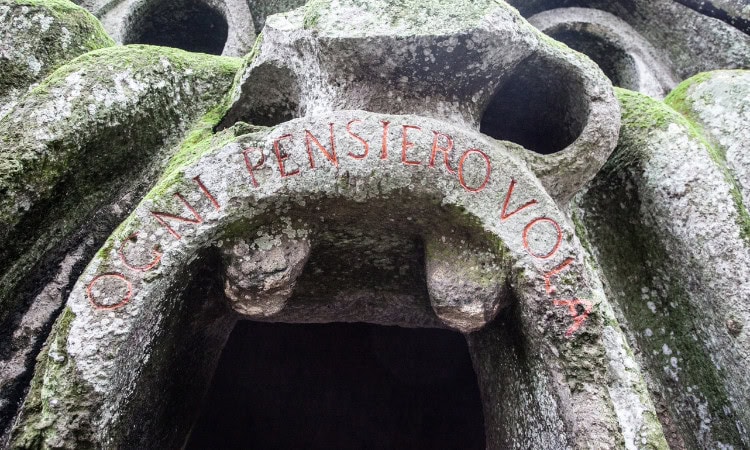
{"points": [[55, 369], [38, 37], [620, 211], [61, 160]]}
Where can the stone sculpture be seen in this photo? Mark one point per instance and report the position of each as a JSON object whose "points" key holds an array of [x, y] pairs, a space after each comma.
{"points": [[590, 241]]}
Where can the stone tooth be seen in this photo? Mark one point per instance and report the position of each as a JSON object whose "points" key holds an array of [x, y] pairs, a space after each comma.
{"points": [[260, 279], [467, 287]]}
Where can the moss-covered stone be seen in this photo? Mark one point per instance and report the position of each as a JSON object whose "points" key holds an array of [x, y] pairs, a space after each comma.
{"points": [[650, 280], [678, 98], [715, 106], [93, 127], [55, 370], [642, 114], [38, 37]]}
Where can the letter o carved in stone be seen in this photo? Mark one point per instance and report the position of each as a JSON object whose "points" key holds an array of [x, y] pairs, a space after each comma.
{"points": [[558, 240], [117, 276]]}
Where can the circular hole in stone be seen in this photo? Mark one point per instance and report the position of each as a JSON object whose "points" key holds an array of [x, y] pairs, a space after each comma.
{"points": [[186, 24], [542, 107], [615, 62], [341, 385]]}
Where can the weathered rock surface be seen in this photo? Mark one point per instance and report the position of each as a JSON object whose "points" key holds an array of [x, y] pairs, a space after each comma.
{"points": [[668, 227], [733, 12], [717, 102], [274, 181], [688, 42], [261, 274], [37, 37], [226, 27], [625, 56], [139, 21], [76, 153], [350, 171]]}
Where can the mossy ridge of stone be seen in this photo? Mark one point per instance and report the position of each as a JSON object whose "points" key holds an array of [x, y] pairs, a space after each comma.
{"points": [[67, 166], [632, 256], [640, 254], [716, 104], [55, 369], [640, 115], [41, 139], [39, 36], [646, 114]]}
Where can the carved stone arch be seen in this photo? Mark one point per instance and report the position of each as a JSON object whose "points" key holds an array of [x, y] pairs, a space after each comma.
{"points": [[491, 234]]}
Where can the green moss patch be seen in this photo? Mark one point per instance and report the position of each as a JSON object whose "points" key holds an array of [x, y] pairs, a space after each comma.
{"points": [[127, 109], [40, 36], [679, 99], [654, 302]]}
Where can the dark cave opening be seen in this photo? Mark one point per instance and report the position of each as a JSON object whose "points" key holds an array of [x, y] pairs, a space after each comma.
{"points": [[186, 24], [337, 386]]}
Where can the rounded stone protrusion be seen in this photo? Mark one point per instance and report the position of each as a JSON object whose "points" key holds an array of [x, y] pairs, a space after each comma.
{"points": [[261, 274], [467, 287]]}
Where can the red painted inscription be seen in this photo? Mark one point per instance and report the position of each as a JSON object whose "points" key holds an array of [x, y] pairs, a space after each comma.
{"points": [[442, 146], [531, 225], [406, 144], [359, 138], [384, 148], [251, 168], [444, 150], [161, 216], [116, 276], [281, 156], [142, 268], [331, 156], [487, 174], [504, 214]]}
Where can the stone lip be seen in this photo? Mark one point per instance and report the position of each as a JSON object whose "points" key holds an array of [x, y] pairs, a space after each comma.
{"points": [[647, 73], [440, 60], [121, 19]]}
